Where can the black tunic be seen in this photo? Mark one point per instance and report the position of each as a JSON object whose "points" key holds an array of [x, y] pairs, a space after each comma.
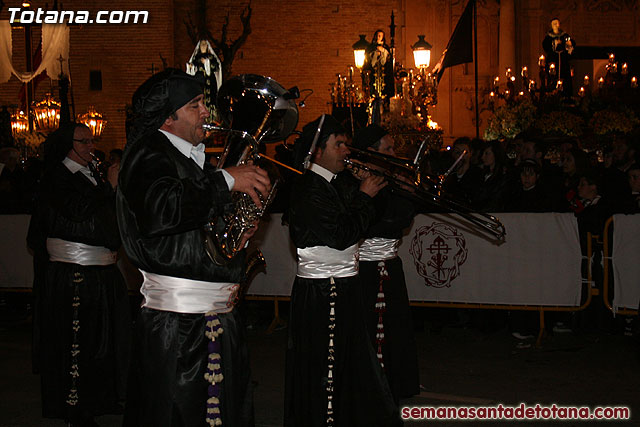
{"points": [[75, 210], [399, 349], [163, 201], [320, 217]]}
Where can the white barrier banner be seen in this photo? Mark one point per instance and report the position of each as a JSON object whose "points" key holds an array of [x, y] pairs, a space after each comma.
{"points": [[624, 259], [445, 260], [538, 264]]}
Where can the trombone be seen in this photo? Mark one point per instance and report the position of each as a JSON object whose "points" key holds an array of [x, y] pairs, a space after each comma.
{"points": [[408, 180]]}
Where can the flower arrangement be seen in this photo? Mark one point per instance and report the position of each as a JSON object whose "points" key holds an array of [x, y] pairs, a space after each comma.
{"points": [[609, 121], [395, 122], [560, 123], [28, 142], [510, 119]]}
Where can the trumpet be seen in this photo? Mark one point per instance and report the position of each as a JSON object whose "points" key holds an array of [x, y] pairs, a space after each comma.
{"points": [[407, 179]]}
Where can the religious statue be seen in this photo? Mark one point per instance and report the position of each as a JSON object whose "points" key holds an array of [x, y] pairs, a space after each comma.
{"points": [[558, 47], [205, 62], [378, 64]]}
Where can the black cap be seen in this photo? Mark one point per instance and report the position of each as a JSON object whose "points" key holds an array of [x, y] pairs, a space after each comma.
{"points": [[330, 126], [160, 96], [366, 137]]}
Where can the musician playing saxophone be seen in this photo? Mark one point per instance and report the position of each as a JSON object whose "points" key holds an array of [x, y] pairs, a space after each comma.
{"points": [[190, 364]]}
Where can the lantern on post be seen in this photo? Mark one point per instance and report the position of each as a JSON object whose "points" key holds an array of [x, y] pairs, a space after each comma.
{"points": [[421, 52], [47, 114], [93, 120], [359, 49], [19, 123]]}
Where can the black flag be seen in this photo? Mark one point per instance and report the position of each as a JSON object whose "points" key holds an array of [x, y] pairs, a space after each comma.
{"points": [[460, 47]]}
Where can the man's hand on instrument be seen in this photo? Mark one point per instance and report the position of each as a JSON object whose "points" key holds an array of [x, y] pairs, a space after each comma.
{"points": [[252, 180], [372, 184]]}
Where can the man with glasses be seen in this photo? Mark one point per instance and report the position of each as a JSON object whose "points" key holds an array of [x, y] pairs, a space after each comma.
{"points": [[82, 310]]}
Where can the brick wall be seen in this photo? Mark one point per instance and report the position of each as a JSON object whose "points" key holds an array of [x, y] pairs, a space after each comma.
{"points": [[124, 54]]}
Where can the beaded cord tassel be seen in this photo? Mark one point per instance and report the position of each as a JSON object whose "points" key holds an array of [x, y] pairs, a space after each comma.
{"points": [[380, 308], [331, 354], [72, 397], [214, 370]]}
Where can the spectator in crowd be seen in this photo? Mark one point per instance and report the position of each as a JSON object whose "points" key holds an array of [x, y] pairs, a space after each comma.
{"points": [[574, 164], [596, 208], [529, 196], [493, 190], [632, 204], [615, 182], [464, 181]]}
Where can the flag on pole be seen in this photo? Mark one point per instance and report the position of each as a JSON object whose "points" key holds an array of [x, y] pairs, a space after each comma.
{"points": [[460, 47]]}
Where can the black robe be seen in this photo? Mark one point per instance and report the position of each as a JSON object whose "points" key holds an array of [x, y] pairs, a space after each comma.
{"points": [[399, 349], [361, 397], [73, 209], [163, 201]]}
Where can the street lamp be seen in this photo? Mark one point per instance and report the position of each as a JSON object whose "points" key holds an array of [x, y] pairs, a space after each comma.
{"points": [[421, 52], [359, 49]]}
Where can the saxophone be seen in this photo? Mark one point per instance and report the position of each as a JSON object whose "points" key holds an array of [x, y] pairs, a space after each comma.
{"points": [[255, 109]]}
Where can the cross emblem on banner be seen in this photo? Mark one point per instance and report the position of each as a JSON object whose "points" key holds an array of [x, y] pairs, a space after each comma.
{"points": [[439, 249]]}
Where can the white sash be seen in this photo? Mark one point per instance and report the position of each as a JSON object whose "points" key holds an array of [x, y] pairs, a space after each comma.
{"points": [[79, 253], [181, 295], [322, 262], [379, 249]]}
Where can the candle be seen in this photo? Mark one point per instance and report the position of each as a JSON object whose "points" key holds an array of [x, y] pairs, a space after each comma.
{"points": [[524, 73], [559, 84], [508, 72], [492, 94], [586, 80], [521, 93], [581, 91], [541, 61], [532, 85], [615, 67], [507, 93], [513, 78], [612, 58], [624, 70], [634, 82], [552, 69], [601, 82]]}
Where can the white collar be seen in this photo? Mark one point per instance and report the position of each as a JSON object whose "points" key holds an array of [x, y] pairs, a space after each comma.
{"points": [[72, 165], [325, 173], [185, 147]]}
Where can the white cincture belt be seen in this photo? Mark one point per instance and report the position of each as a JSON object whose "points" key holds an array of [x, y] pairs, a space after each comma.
{"points": [[180, 295], [379, 249], [79, 253], [322, 262]]}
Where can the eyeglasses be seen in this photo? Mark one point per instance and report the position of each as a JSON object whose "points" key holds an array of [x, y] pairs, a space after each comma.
{"points": [[85, 140]]}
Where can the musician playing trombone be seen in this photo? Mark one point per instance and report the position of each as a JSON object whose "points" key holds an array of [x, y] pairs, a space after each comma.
{"points": [[332, 375], [190, 364], [385, 292]]}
